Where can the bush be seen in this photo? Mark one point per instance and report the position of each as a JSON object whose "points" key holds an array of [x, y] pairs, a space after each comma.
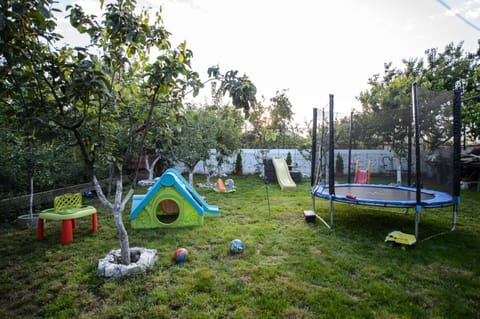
{"points": [[289, 159], [339, 164], [239, 164]]}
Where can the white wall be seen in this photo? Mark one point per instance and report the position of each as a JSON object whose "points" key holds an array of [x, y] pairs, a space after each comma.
{"points": [[381, 161]]}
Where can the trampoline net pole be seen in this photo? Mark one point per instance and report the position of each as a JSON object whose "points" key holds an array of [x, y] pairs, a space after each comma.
{"points": [[417, 143], [331, 148], [418, 186], [350, 133], [321, 174], [331, 212], [314, 147], [331, 171], [457, 149]]}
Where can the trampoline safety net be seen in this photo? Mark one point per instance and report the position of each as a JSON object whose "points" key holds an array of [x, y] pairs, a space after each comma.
{"points": [[387, 124]]}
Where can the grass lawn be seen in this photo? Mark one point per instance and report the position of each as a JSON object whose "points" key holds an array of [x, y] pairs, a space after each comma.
{"points": [[289, 269]]}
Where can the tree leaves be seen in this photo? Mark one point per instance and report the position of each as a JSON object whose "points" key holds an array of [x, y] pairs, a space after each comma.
{"points": [[241, 90], [390, 96]]}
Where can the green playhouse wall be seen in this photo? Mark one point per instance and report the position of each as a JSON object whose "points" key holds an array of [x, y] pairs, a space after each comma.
{"points": [[147, 217]]}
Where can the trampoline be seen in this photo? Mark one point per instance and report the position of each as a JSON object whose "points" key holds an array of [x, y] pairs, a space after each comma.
{"points": [[383, 195], [441, 167]]}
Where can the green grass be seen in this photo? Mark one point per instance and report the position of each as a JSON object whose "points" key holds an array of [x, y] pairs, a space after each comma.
{"points": [[289, 269]]}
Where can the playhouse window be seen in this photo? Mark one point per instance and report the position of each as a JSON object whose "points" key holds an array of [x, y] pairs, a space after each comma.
{"points": [[167, 211]]}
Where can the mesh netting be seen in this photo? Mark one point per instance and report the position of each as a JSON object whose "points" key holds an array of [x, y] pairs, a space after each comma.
{"points": [[385, 137], [436, 139]]}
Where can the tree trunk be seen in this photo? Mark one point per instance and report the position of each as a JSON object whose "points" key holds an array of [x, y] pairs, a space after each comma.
{"points": [[31, 197], [151, 168], [122, 232], [117, 209], [190, 175]]}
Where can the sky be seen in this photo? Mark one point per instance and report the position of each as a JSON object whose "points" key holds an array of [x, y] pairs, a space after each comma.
{"points": [[309, 48]]}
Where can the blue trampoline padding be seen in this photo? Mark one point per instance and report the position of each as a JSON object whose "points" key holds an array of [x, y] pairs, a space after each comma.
{"points": [[382, 195]]}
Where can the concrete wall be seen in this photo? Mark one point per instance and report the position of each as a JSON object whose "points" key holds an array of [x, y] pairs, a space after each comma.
{"points": [[381, 161]]}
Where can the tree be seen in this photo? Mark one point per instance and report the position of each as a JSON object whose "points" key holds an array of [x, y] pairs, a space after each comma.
{"points": [[339, 165], [269, 126], [228, 129], [386, 109], [214, 126], [150, 167], [342, 132], [31, 84], [390, 98], [451, 66], [254, 137], [239, 164], [122, 88], [471, 104], [136, 90], [281, 113], [289, 159], [195, 138]]}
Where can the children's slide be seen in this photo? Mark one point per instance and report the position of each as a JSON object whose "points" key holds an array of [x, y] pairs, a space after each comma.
{"points": [[283, 175]]}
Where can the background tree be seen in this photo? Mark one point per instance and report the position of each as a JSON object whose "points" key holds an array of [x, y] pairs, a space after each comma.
{"points": [[195, 138], [254, 136], [342, 132], [228, 125], [267, 126], [471, 106], [447, 68], [281, 114], [257, 133], [389, 97], [386, 109], [30, 85]]}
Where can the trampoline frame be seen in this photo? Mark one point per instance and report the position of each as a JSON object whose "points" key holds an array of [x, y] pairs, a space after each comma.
{"points": [[439, 199]]}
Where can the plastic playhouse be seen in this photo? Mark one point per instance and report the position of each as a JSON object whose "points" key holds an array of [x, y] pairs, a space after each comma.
{"points": [[170, 202]]}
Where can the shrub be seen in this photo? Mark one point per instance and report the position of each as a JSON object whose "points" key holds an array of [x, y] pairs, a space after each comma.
{"points": [[339, 164], [289, 159], [239, 164]]}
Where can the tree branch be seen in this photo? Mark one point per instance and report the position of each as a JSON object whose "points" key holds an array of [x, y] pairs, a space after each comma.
{"points": [[100, 194]]}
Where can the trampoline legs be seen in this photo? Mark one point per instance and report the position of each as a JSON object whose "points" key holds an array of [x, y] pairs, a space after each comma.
{"points": [[418, 209], [329, 226], [454, 216]]}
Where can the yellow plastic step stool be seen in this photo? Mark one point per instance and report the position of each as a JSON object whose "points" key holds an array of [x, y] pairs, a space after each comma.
{"points": [[401, 238]]}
